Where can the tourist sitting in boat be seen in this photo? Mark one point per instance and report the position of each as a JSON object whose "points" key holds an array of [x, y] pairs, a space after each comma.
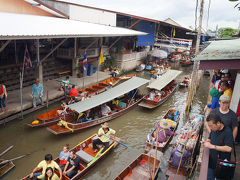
{"points": [[103, 137], [163, 130], [72, 100], [64, 156], [73, 92], [151, 95], [186, 80], [157, 98], [105, 110], [48, 162], [72, 166], [89, 115], [50, 175], [64, 109]]}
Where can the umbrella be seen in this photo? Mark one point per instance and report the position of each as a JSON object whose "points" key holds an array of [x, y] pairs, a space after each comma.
{"points": [[159, 53]]}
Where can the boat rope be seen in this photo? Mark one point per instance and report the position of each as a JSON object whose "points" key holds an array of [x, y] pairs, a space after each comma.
{"points": [[64, 123]]}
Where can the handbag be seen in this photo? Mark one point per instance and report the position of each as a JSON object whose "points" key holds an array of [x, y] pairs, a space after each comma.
{"points": [[225, 169]]}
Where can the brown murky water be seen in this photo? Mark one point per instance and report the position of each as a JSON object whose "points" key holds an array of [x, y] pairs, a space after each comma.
{"points": [[132, 128]]}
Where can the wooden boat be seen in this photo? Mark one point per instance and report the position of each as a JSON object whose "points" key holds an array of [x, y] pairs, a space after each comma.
{"points": [[162, 146], [52, 117], [93, 104], [5, 168], [78, 127], [159, 84], [151, 104], [141, 168], [88, 158], [186, 63], [190, 161]]}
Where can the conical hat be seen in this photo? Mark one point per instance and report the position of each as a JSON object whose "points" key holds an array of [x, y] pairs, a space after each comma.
{"points": [[164, 124]]}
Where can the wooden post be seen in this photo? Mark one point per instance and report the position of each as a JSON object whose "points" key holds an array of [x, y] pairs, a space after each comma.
{"points": [[195, 66], [74, 60]]}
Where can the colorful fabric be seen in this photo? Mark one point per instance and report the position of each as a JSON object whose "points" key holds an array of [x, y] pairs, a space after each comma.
{"points": [[162, 134], [101, 60], [27, 59], [73, 92], [85, 63]]}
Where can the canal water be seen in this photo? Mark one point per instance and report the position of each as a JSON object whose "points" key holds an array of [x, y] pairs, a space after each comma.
{"points": [[132, 128]]}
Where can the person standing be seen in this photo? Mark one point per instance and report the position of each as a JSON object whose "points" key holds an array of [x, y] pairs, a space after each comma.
{"points": [[73, 92], [37, 92], [3, 97], [220, 143], [227, 116], [225, 89], [215, 100], [103, 137]]}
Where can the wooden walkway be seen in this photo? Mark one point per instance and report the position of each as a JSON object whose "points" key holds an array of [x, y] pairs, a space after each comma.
{"points": [[54, 95]]}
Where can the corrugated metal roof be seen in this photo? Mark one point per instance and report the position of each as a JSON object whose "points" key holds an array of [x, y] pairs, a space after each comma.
{"points": [[108, 95], [221, 50], [21, 26], [162, 81]]}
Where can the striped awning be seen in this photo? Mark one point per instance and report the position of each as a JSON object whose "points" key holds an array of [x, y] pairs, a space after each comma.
{"points": [[125, 87], [163, 80]]}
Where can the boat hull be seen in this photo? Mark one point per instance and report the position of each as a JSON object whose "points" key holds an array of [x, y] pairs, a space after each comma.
{"points": [[141, 168], [85, 148], [78, 127], [150, 104], [4, 169], [163, 148]]}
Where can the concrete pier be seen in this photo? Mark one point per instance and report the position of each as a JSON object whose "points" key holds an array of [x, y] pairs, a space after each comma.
{"points": [[52, 86]]}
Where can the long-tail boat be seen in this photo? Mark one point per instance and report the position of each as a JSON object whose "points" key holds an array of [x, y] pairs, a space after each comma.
{"points": [[158, 85], [141, 168], [186, 63], [5, 168], [52, 117], [88, 158], [162, 146], [124, 105]]}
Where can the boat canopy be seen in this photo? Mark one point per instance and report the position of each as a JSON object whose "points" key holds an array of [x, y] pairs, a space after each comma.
{"points": [[110, 94], [163, 80]]}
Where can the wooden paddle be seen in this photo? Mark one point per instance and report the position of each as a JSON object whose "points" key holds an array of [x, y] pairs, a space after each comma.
{"points": [[6, 161], [8, 149], [117, 141]]}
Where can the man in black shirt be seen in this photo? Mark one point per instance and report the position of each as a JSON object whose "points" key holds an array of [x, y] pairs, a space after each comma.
{"points": [[228, 117], [72, 166], [220, 142]]}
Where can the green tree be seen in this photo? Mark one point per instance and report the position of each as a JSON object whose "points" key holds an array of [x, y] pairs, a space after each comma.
{"points": [[227, 32]]}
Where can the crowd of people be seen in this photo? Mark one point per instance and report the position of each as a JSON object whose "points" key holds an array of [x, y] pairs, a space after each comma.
{"points": [[69, 162], [222, 122]]}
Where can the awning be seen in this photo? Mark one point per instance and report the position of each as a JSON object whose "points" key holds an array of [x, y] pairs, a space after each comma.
{"points": [[163, 80], [220, 50], [108, 95], [22, 26]]}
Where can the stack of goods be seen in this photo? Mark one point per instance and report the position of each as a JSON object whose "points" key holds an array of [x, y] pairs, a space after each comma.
{"points": [[188, 137]]}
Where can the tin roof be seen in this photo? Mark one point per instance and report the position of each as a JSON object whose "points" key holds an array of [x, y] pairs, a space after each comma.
{"points": [[21, 26], [221, 50]]}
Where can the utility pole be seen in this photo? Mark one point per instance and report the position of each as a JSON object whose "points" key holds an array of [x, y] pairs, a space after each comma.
{"points": [[194, 76]]}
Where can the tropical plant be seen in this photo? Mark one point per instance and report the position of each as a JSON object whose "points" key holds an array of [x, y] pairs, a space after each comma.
{"points": [[227, 32]]}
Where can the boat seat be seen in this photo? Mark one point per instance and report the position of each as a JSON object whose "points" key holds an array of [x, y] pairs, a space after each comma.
{"points": [[85, 156]]}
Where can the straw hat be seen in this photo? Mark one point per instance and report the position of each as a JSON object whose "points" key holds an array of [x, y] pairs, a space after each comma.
{"points": [[164, 124], [105, 125]]}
